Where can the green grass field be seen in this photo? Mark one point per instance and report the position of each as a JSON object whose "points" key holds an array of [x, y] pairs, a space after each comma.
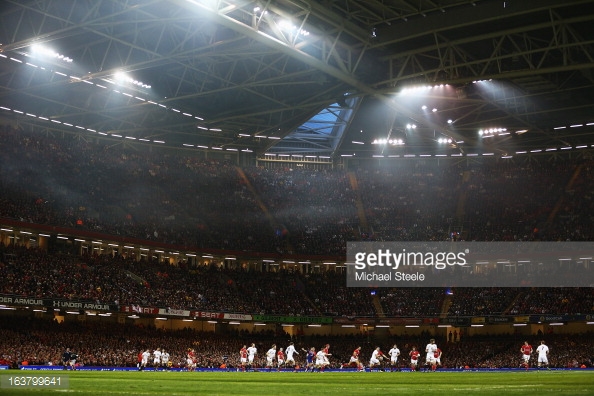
{"points": [[233, 383]]}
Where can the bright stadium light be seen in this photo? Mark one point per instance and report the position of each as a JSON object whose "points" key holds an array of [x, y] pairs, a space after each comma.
{"points": [[489, 132], [288, 26], [123, 77], [42, 50], [392, 142]]}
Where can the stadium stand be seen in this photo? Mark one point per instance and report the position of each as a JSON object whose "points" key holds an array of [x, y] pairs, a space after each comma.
{"points": [[179, 199]]}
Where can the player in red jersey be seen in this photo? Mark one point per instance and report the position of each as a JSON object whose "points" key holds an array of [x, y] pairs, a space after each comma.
{"points": [[243, 353], [437, 361], [414, 359], [191, 360], [280, 359], [526, 351], [354, 361], [139, 364]]}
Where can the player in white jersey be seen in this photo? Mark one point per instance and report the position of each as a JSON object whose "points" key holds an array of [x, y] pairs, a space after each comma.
{"points": [[377, 358], [157, 358], [430, 349], [270, 357], [394, 353], [145, 357], [252, 351], [321, 360], [165, 359], [543, 355], [290, 351]]}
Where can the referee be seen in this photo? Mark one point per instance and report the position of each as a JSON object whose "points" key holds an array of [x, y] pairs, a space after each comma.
{"points": [[66, 356]]}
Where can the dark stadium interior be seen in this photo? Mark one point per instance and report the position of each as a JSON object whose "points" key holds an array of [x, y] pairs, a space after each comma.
{"points": [[249, 69], [215, 157]]}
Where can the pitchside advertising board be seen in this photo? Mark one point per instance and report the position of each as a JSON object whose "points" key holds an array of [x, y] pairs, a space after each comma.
{"points": [[470, 264], [21, 301]]}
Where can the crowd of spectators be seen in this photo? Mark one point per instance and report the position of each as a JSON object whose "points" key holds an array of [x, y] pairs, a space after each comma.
{"points": [[413, 302], [574, 217], [118, 280], [507, 201], [317, 209], [183, 198], [560, 300], [186, 199], [330, 295], [409, 201], [483, 301], [42, 341], [142, 193]]}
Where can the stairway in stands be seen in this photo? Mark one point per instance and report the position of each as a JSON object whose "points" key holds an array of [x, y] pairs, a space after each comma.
{"points": [[461, 206], [462, 197], [138, 279], [568, 187], [301, 288], [445, 306], [259, 201], [377, 304], [519, 296], [274, 224], [359, 203]]}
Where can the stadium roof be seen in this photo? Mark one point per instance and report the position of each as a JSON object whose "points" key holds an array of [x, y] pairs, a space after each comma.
{"points": [[325, 77]]}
